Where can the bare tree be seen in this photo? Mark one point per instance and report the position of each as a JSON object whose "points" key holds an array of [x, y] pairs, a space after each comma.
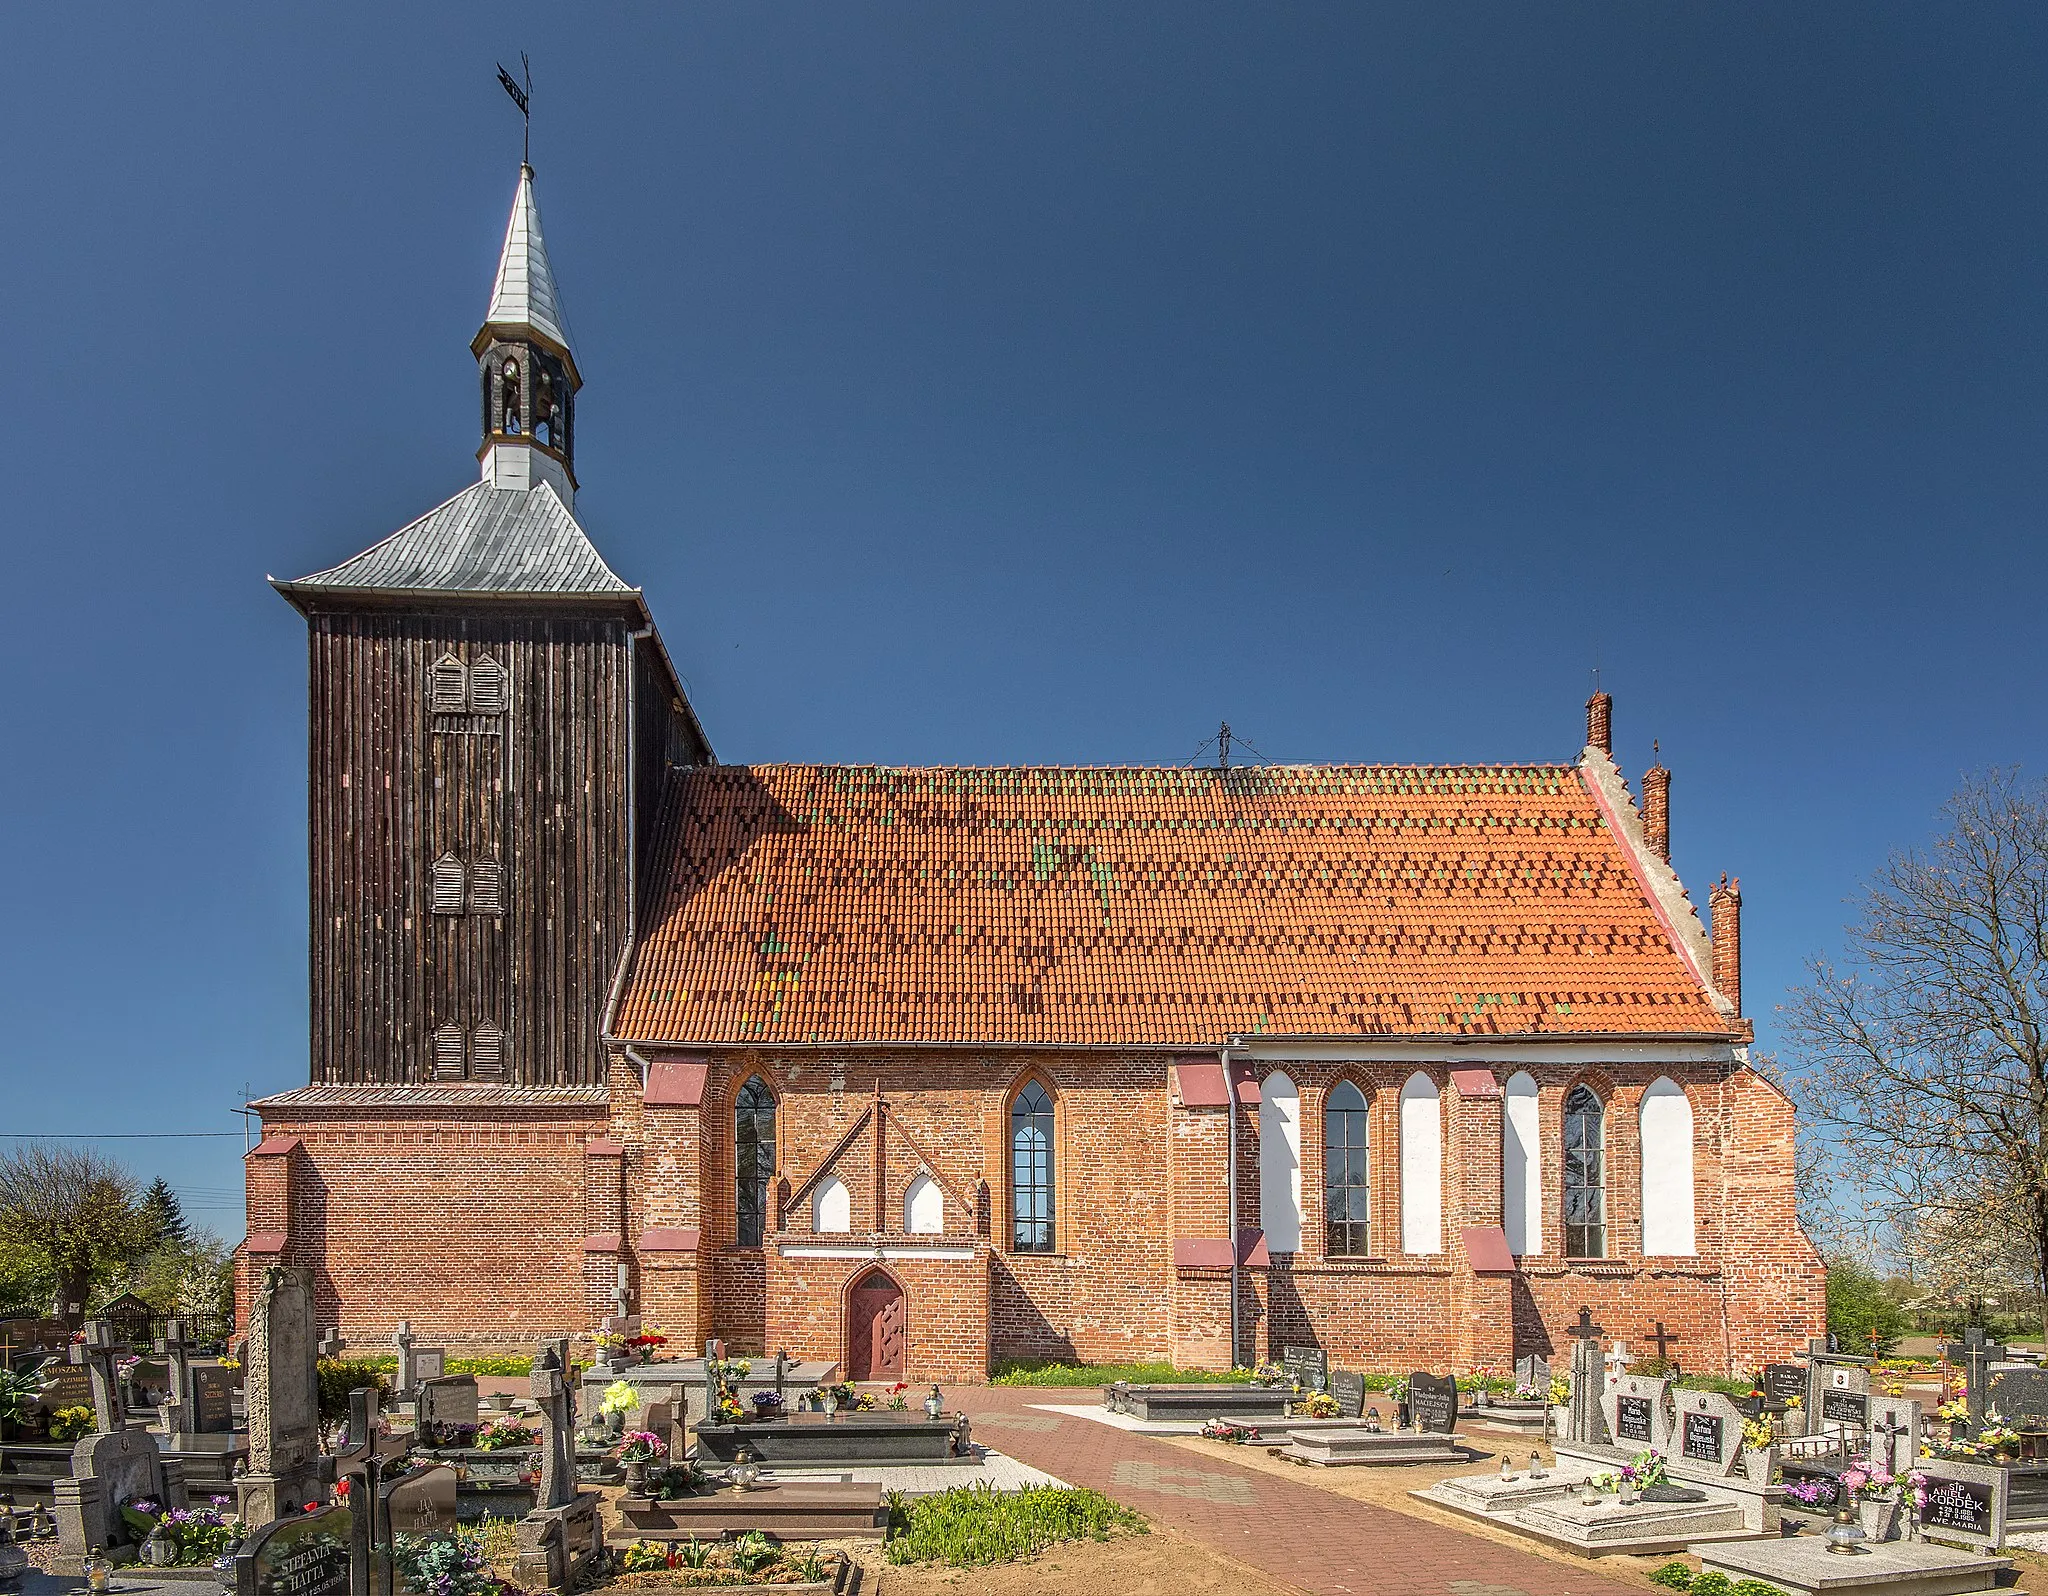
{"points": [[80, 1212], [1927, 1062]]}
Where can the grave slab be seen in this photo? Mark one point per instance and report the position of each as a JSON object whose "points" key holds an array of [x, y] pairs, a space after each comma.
{"points": [[1801, 1565], [1642, 1527], [1354, 1446], [1152, 1403], [791, 1510], [817, 1440]]}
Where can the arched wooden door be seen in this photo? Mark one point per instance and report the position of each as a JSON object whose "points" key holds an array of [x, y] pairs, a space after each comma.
{"points": [[877, 1328]]}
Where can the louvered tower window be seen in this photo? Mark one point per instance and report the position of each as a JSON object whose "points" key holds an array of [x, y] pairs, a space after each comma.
{"points": [[487, 1053], [448, 1053], [487, 887], [447, 884], [449, 690], [487, 687]]}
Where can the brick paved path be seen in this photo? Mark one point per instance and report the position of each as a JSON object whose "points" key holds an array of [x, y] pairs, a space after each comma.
{"points": [[1313, 1539]]}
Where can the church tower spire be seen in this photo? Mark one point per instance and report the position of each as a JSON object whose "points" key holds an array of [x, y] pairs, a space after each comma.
{"points": [[526, 365]]}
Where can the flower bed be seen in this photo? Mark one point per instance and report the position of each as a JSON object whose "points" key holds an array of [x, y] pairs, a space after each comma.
{"points": [[974, 1526], [752, 1560]]}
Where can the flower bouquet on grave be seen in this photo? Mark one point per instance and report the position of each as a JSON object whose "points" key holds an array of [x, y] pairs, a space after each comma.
{"points": [[1233, 1434], [1270, 1374], [898, 1402], [767, 1404], [647, 1344], [502, 1434], [729, 1410], [1647, 1469], [1816, 1496], [2000, 1440], [641, 1446], [1317, 1405]]}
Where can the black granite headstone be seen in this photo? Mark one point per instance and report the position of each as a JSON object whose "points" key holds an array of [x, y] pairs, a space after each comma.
{"points": [[1433, 1403], [1307, 1367], [304, 1555], [1845, 1407], [2020, 1396], [1961, 1505], [1784, 1381], [1702, 1439], [1349, 1390], [1633, 1418], [213, 1399]]}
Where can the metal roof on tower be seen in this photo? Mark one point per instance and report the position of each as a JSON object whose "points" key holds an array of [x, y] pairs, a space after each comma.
{"points": [[523, 296], [485, 540]]}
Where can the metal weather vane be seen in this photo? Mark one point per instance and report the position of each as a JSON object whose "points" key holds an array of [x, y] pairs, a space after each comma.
{"points": [[521, 97]]}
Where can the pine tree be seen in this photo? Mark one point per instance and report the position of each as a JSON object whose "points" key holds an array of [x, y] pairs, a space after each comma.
{"points": [[163, 1216]]}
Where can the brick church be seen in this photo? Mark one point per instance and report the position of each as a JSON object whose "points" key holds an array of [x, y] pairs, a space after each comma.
{"points": [[918, 1070]]}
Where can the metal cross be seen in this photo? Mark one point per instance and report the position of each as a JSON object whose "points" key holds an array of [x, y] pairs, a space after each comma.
{"points": [[1662, 1338], [1585, 1329]]}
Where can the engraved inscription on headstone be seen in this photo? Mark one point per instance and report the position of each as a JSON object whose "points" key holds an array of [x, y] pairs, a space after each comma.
{"points": [[213, 1399], [1348, 1387], [1632, 1421], [1845, 1408], [65, 1385], [423, 1503], [1307, 1367], [1703, 1437], [305, 1555], [1958, 1505], [429, 1363], [1784, 1381], [1433, 1403]]}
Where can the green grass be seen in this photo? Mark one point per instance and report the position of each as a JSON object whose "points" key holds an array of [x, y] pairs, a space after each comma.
{"points": [[1016, 1371], [507, 1364], [973, 1526]]}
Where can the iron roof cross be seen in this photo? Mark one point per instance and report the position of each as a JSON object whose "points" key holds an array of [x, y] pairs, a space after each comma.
{"points": [[1585, 1329]]}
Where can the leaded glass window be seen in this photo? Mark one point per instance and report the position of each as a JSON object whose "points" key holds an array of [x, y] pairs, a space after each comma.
{"points": [[1585, 1175], [1346, 1195], [1031, 1171], [754, 1160]]}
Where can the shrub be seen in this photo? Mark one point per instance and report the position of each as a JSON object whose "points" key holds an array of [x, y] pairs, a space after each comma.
{"points": [[1710, 1583], [453, 1565], [1757, 1587], [1673, 1574], [1858, 1304], [973, 1526], [339, 1376]]}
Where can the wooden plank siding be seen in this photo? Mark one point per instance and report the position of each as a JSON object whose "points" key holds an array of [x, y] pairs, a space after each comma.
{"points": [[392, 787]]}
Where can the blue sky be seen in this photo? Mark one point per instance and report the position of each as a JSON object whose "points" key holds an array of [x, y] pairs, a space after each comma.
{"points": [[1017, 384]]}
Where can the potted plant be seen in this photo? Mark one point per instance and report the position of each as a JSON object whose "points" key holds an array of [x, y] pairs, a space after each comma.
{"points": [[767, 1404], [638, 1449], [611, 1350], [646, 1344], [1759, 1450], [1560, 1395], [1875, 1491], [1317, 1405]]}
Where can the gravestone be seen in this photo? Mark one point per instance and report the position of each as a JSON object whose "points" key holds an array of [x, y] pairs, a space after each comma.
{"points": [[175, 1350], [212, 1408], [563, 1537], [310, 1554], [1782, 1382], [282, 1392], [1709, 1433], [422, 1503], [1965, 1504], [1307, 1367], [1432, 1403], [107, 1470], [1842, 1410], [65, 1385], [1586, 1424], [1348, 1387], [97, 1355], [1975, 1354], [1634, 1409], [428, 1363], [2019, 1397], [445, 1410], [1534, 1370], [401, 1343], [1895, 1433]]}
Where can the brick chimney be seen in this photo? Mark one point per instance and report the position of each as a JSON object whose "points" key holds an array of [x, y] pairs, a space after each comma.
{"points": [[1725, 899], [1657, 809], [1600, 723]]}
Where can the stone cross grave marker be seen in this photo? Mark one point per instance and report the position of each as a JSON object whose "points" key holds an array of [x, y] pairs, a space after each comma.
{"points": [[1975, 1354], [1348, 1387], [550, 1390], [444, 1409], [1634, 1409], [107, 1469], [282, 1389], [1432, 1403], [1895, 1433], [1587, 1424], [401, 1341], [1966, 1503], [98, 1354], [1616, 1362], [310, 1554], [1663, 1339], [356, 1466], [1709, 1433], [176, 1352], [1306, 1367], [331, 1344]]}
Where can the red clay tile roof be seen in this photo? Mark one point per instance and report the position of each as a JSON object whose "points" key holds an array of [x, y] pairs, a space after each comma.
{"points": [[1137, 906]]}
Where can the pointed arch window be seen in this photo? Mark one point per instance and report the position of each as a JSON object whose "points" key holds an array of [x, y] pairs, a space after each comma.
{"points": [[1585, 1174], [448, 885], [1031, 1171], [487, 687], [448, 689], [754, 1158], [1347, 1194]]}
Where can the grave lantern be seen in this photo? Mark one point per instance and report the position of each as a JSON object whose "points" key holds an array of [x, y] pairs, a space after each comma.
{"points": [[934, 1405]]}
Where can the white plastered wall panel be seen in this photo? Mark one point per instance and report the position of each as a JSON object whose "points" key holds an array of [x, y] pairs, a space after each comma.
{"points": [[1422, 1166], [1280, 1163], [1667, 1171], [1521, 1157], [831, 1208]]}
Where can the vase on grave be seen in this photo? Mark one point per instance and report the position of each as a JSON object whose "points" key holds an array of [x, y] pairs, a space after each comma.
{"points": [[1879, 1516], [636, 1476], [1759, 1465]]}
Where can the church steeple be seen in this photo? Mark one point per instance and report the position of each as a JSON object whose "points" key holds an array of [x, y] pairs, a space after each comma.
{"points": [[525, 364]]}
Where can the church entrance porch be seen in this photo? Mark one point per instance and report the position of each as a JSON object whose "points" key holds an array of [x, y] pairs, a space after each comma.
{"points": [[877, 1328]]}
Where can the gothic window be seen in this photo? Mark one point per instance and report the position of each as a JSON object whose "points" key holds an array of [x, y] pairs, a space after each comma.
{"points": [[1585, 1175], [448, 885], [1031, 1171], [448, 1053], [486, 887], [831, 1208], [487, 687], [509, 394], [449, 689], [1280, 1163], [924, 1208], [487, 1053], [544, 411], [1347, 1207], [754, 1158]]}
